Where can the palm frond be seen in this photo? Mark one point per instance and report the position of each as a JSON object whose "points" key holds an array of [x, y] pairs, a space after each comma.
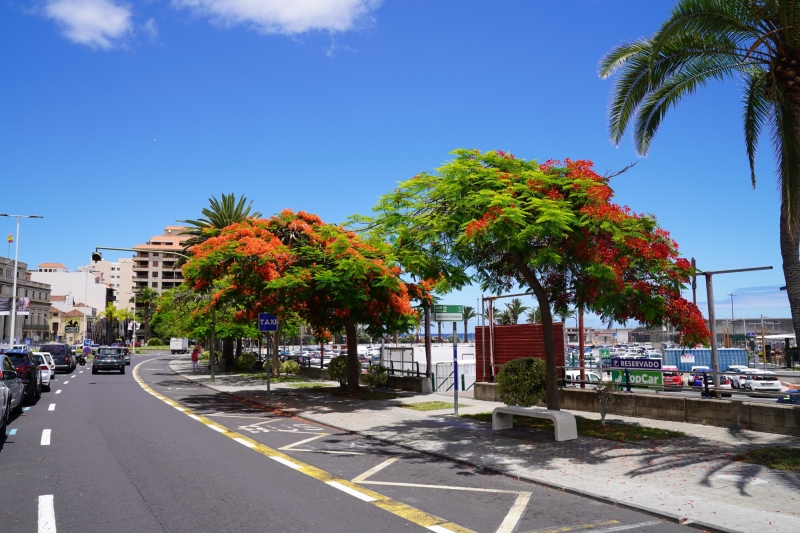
{"points": [[756, 111]]}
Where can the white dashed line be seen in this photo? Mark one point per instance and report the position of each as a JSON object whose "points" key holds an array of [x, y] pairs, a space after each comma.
{"points": [[66, 382], [45, 437], [351, 492], [52, 407], [58, 391], [285, 462], [47, 514]]}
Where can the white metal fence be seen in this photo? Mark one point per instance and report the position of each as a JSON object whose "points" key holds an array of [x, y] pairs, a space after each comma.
{"points": [[443, 375]]}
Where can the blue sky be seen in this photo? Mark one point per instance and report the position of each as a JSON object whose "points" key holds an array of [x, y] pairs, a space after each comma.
{"points": [[119, 118]]}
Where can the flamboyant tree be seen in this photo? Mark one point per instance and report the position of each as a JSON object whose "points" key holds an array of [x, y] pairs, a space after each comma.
{"points": [[550, 228], [295, 263]]}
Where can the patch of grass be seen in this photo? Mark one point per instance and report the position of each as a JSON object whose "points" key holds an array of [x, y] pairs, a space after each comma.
{"points": [[430, 406], [588, 427], [778, 457]]}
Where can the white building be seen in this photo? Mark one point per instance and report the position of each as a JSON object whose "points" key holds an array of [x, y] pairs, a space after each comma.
{"points": [[86, 286], [119, 276]]}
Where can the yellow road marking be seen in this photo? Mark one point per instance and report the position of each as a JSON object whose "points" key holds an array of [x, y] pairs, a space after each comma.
{"points": [[407, 512]]}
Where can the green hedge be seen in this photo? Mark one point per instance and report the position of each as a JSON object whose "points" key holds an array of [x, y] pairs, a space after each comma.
{"points": [[522, 382]]}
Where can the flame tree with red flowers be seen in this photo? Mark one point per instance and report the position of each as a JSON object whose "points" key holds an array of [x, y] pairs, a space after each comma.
{"points": [[551, 228], [295, 263]]}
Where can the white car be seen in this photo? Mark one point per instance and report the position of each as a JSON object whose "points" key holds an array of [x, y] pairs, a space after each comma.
{"points": [[45, 369], [763, 381], [573, 379], [51, 364], [738, 379]]}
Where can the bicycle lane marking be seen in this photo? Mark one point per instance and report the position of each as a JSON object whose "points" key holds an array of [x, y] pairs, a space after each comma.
{"points": [[407, 512]]}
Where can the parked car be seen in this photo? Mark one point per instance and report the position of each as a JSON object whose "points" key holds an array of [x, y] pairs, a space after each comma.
{"points": [[44, 369], [12, 391], [51, 364], [29, 372], [109, 358], [672, 378], [763, 381], [572, 378], [792, 396], [738, 379], [62, 355], [697, 381]]}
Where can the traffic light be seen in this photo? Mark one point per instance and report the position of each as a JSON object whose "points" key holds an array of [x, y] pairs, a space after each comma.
{"points": [[97, 256]]}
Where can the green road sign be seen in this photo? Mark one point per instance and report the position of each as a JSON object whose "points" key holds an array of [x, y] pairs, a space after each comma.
{"points": [[639, 378], [448, 313]]}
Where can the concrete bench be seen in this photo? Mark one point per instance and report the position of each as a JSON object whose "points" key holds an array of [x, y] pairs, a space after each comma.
{"points": [[566, 429]]}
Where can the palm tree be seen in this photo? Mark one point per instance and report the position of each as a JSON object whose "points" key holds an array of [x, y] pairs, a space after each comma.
{"points": [[503, 318], [534, 316], [112, 315], [220, 214], [146, 297], [515, 309], [469, 313], [753, 41]]}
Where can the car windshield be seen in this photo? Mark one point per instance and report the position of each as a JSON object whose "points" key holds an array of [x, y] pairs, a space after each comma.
{"points": [[18, 358], [40, 360], [55, 349], [109, 351]]}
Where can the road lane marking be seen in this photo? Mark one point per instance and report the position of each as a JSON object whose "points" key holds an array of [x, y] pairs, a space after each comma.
{"points": [[628, 526], [374, 470], [66, 382], [319, 436], [516, 512], [45, 437], [58, 391], [352, 492], [52, 407], [402, 510], [281, 460], [11, 432], [47, 514]]}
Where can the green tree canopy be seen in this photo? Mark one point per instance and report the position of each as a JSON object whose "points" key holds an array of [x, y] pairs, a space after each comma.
{"points": [[550, 228]]}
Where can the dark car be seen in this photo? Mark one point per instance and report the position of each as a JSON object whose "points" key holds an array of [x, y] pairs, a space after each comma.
{"points": [[11, 385], [62, 356], [109, 358], [28, 370]]}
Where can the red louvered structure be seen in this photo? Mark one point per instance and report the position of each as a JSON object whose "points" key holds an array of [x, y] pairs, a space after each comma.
{"points": [[514, 342]]}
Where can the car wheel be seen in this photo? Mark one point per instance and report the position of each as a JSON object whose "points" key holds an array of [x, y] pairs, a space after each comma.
{"points": [[46, 388], [38, 392], [94, 371], [4, 421]]}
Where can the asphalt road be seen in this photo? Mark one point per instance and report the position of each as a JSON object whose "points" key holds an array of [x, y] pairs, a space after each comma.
{"points": [[163, 454]]}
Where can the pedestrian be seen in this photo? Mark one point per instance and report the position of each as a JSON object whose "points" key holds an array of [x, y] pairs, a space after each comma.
{"points": [[196, 358]]}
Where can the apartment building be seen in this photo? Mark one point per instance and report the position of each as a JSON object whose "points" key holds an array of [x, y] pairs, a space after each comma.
{"points": [[119, 276], [154, 268], [33, 323]]}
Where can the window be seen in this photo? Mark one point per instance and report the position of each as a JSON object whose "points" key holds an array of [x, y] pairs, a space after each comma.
{"points": [[155, 263], [155, 274]]}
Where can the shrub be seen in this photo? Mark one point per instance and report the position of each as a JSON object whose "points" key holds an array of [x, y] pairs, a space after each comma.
{"points": [[337, 369], [522, 382], [245, 361], [155, 341], [376, 376], [606, 398], [289, 367]]}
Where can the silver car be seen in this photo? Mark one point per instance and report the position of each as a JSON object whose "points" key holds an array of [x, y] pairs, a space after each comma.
{"points": [[12, 391]]}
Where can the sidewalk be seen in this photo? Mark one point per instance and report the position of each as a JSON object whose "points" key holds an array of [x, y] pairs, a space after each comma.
{"points": [[690, 479]]}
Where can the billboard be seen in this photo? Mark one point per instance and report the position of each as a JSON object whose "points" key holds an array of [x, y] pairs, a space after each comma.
{"points": [[23, 306]]}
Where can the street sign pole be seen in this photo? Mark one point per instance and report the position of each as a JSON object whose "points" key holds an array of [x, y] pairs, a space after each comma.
{"points": [[455, 370]]}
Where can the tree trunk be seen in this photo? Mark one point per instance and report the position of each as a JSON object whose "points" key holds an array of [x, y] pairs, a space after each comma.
{"points": [[790, 252], [353, 364], [551, 372], [275, 346], [439, 324], [227, 352]]}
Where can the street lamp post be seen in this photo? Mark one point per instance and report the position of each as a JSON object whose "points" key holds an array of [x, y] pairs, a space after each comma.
{"points": [[13, 309]]}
